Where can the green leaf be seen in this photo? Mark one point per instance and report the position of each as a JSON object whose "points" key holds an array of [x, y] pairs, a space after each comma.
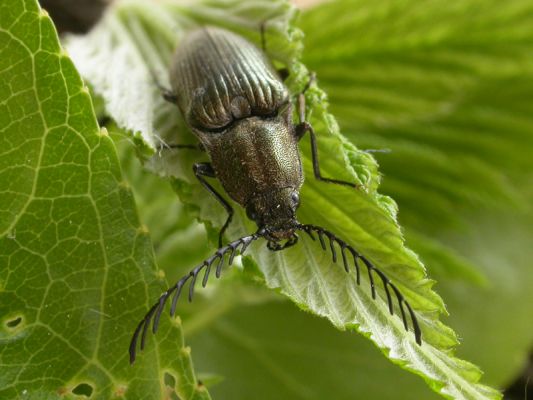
{"points": [[76, 268], [446, 88], [136, 38], [288, 354], [178, 240]]}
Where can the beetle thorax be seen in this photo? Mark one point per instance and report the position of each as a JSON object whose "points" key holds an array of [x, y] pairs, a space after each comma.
{"points": [[256, 158]]}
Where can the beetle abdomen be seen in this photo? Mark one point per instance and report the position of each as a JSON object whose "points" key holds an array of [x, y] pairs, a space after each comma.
{"points": [[220, 77]]}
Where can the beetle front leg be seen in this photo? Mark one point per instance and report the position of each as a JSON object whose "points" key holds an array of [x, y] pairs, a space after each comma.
{"points": [[202, 170]]}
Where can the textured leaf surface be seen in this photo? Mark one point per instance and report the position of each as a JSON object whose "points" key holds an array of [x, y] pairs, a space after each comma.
{"points": [[288, 354], [144, 37], [76, 268], [446, 88], [239, 355]]}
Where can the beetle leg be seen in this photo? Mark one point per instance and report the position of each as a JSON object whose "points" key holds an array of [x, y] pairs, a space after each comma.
{"points": [[262, 29], [301, 129], [167, 94], [282, 72], [312, 79], [199, 146], [202, 170], [300, 99], [301, 111]]}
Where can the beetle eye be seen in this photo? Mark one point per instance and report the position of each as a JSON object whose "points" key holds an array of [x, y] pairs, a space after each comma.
{"points": [[251, 213], [295, 199]]}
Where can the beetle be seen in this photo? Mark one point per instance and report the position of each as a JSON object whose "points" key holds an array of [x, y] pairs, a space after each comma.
{"points": [[238, 107]]}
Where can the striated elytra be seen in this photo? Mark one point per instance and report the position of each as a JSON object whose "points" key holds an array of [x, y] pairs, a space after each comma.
{"points": [[238, 107]]}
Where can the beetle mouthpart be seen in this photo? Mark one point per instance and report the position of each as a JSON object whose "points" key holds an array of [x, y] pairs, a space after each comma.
{"points": [[345, 250], [276, 246]]}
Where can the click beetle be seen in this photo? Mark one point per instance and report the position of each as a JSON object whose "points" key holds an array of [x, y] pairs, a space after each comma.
{"points": [[238, 107]]}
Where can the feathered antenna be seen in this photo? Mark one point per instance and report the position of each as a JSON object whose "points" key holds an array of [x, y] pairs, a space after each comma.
{"points": [[157, 309], [387, 284], [239, 246]]}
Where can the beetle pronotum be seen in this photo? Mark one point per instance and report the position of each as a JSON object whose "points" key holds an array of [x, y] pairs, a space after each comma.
{"points": [[237, 106]]}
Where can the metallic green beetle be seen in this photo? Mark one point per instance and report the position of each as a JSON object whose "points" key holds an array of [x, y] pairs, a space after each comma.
{"points": [[238, 107]]}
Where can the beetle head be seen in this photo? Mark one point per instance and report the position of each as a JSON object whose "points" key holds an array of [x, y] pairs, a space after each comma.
{"points": [[275, 215]]}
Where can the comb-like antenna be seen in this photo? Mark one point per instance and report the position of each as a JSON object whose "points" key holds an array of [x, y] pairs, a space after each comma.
{"points": [[157, 309], [387, 284]]}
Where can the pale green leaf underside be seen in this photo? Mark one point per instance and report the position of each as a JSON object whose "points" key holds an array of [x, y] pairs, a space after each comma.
{"points": [[144, 37], [76, 268], [449, 98]]}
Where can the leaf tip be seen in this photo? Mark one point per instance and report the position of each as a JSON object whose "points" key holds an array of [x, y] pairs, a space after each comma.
{"points": [[43, 13], [142, 229], [176, 321], [103, 131], [200, 387], [63, 53], [185, 351]]}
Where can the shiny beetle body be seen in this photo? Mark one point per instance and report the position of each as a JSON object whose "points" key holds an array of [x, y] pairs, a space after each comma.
{"points": [[240, 110], [236, 104]]}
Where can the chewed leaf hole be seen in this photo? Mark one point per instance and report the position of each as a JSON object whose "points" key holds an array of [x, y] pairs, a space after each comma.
{"points": [[12, 323], [169, 380], [83, 389], [170, 383]]}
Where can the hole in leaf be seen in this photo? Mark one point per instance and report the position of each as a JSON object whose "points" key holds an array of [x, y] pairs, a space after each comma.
{"points": [[170, 383], [13, 323], [169, 380], [83, 389]]}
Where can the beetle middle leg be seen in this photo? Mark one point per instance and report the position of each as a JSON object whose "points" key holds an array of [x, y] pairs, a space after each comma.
{"points": [[176, 146], [199, 146], [167, 94], [202, 170], [302, 128]]}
